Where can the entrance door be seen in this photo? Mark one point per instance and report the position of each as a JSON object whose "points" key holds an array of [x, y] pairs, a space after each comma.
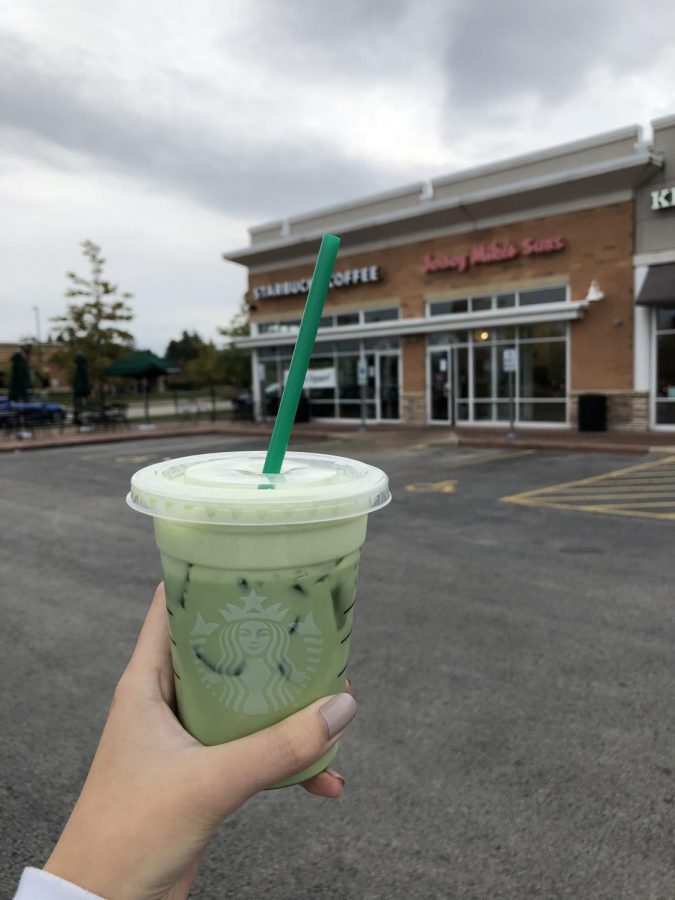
{"points": [[441, 385], [388, 386]]}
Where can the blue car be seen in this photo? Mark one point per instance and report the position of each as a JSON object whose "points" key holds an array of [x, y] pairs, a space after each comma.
{"points": [[36, 411]]}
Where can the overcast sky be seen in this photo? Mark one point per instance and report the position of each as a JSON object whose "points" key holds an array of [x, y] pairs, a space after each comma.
{"points": [[163, 130]]}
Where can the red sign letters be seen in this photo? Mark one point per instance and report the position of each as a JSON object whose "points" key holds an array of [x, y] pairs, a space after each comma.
{"points": [[482, 254]]}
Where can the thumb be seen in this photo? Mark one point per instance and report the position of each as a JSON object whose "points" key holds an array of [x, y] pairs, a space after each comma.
{"points": [[262, 759]]}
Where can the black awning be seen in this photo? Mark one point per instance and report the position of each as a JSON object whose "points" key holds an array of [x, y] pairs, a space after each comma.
{"points": [[658, 288]]}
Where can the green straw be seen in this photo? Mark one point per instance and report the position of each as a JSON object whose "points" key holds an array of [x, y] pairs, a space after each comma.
{"points": [[301, 354]]}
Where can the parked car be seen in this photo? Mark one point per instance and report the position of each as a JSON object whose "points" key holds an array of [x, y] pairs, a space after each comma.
{"points": [[242, 405], [36, 410]]}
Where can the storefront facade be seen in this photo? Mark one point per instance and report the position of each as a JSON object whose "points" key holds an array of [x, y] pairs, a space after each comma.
{"points": [[434, 283], [655, 282]]}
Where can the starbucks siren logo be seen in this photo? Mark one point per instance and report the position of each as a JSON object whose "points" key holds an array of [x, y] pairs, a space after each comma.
{"points": [[261, 658]]}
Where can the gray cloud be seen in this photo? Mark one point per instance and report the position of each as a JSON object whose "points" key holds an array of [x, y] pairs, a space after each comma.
{"points": [[499, 52], [133, 124], [243, 174], [343, 41]]}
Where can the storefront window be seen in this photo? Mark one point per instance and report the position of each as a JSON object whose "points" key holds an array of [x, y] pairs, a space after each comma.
{"points": [[348, 385], [505, 334], [541, 412], [447, 307], [543, 330], [286, 327], [478, 304], [389, 386], [381, 391], [351, 318], [322, 400], [380, 315], [665, 366], [542, 369], [665, 319], [484, 304], [381, 344], [542, 295], [448, 337], [478, 385], [347, 346], [290, 326], [482, 372]]}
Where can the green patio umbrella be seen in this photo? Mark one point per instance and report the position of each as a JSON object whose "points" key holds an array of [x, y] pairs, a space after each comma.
{"points": [[19, 379], [142, 364], [81, 386]]}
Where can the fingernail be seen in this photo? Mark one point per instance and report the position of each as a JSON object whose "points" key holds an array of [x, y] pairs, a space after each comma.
{"points": [[336, 775], [338, 713]]}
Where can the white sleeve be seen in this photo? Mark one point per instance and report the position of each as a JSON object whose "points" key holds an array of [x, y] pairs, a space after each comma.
{"points": [[38, 885]]}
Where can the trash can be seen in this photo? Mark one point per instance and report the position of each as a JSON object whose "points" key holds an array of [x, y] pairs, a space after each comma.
{"points": [[592, 412]]}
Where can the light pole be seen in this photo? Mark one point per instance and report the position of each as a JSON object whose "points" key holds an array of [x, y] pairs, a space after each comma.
{"points": [[38, 336], [36, 310]]}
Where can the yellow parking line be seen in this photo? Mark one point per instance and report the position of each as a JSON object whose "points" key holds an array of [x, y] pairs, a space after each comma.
{"points": [[432, 487], [650, 503], [490, 457], [621, 511], [638, 491], [471, 461], [594, 495]]}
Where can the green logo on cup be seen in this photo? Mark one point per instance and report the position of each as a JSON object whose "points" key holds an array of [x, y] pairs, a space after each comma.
{"points": [[260, 659]]}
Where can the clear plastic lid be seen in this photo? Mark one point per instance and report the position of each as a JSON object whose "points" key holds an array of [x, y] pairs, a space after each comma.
{"points": [[230, 489]]}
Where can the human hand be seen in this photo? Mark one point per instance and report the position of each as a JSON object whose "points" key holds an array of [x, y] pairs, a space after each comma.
{"points": [[154, 795]]}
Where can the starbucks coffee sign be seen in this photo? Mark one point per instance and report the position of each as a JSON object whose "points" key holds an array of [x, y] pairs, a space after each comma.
{"points": [[345, 278], [664, 198]]}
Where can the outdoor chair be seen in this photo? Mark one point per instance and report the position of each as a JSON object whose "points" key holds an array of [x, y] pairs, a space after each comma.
{"points": [[189, 410], [117, 414], [9, 423]]}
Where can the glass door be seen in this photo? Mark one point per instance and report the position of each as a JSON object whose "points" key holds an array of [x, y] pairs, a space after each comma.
{"points": [[441, 385], [371, 386], [387, 371]]}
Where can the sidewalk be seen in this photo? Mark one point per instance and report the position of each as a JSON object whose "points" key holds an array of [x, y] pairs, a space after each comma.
{"points": [[395, 436]]}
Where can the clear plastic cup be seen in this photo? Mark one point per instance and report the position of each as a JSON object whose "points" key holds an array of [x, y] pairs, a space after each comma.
{"points": [[260, 574]]}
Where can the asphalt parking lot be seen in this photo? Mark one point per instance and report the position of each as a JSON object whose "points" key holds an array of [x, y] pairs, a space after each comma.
{"points": [[513, 663]]}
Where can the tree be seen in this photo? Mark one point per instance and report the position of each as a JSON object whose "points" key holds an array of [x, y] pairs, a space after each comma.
{"points": [[206, 369], [90, 327], [184, 349], [236, 364]]}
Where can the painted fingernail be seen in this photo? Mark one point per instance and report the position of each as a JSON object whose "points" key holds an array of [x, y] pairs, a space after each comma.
{"points": [[338, 713], [336, 775]]}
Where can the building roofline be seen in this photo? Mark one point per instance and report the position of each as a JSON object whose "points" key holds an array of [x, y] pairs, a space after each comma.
{"points": [[415, 187], [598, 140], [663, 122], [641, 157], [503, 165]]}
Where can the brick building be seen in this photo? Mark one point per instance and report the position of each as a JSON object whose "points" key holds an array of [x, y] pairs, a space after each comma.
{"points": [[537, 255], [40, 358]]}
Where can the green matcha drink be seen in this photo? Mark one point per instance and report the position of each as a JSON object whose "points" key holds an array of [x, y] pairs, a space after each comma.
{"points": [[260, 574]]}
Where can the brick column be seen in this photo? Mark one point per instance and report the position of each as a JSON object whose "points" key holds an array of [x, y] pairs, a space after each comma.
{"points": [[413, 360]]}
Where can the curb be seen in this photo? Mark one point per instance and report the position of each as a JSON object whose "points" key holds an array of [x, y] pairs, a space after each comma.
{"points": [[122, 437], [458, 438]]}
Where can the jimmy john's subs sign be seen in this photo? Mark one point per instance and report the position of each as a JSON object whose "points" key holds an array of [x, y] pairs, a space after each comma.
{"points": [[498, 251], [345, 278]]}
